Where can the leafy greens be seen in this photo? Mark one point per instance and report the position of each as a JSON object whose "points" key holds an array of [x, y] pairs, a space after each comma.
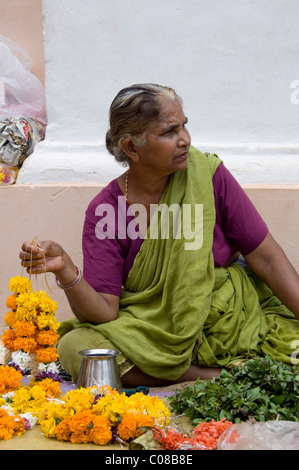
{"points": [[263, 389]]}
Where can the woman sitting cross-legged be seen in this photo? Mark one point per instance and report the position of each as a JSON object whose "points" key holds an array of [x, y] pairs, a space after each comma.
{"points": [[181, 274]]}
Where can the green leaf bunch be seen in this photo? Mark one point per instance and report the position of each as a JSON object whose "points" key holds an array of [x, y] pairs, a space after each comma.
{"points": [[263, 389]]}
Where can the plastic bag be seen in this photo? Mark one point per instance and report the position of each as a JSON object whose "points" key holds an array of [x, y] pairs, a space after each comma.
{"points": [[22, 92], [22, 109], [18, 137], [270, 435]]}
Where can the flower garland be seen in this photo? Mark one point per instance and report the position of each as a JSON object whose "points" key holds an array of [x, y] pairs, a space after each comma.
{"points": [[32, 333], [86, 415], [95, 415], [27, 346], [102, 416]]}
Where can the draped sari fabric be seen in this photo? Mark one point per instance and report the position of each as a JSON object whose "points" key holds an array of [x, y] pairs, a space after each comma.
{"points": [[176, 308]]}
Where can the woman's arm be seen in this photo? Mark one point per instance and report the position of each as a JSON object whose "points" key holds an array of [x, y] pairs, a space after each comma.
{"points": [[271, 264], [86, 304]]}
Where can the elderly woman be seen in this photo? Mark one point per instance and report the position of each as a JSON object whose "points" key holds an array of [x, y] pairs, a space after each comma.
{"points": [[180, 303]]}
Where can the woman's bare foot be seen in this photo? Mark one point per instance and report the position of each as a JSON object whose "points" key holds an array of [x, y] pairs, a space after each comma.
{"points": [[136, 377]]}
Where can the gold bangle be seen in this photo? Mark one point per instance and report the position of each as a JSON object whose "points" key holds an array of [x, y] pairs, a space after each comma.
{"points": [[72, 284]]}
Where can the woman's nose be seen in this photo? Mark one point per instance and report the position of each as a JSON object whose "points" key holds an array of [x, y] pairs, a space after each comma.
{"points": [[184, 138]]}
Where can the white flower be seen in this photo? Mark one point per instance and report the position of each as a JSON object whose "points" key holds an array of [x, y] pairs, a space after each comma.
{"points": [[8, 409], [7, 396], [32, 420], [4, 354], [21, 359], [51, 367]]}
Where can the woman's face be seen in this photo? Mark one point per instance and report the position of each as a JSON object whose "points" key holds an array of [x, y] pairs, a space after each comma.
{"points": [[167, 144]]}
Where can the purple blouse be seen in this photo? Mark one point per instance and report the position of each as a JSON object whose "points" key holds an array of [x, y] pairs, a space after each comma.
{"points": [[107, 261]]}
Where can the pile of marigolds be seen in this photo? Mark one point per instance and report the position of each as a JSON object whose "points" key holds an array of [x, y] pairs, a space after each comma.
{"points": [[96, 415]]}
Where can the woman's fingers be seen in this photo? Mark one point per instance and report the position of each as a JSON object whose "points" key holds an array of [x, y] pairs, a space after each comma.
{"points": [[40, 256]]}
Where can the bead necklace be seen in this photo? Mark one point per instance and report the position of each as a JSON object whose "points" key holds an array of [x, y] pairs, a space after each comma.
{"points": [[126, 185]]}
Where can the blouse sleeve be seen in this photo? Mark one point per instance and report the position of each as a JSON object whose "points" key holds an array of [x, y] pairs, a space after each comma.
{"points": [[240, 221], [103, 260]]}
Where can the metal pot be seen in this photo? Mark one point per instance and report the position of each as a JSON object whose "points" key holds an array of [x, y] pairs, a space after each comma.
{"points": [[99, 367]]}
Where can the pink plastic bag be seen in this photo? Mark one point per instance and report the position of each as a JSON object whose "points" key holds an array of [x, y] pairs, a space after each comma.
{"points": [[22, 109], [22, 94]]}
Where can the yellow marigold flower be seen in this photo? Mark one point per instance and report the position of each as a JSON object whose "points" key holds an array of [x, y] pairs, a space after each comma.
{"points": [[78, 400], [11, 302], [2, 402], [24, 328], [23, 314], [28, 300], [20, 285], [54, 409], [46, 304], [111, 407], [48, 427], [43, 321], [29, 399], [10, 319], [20, 401]]}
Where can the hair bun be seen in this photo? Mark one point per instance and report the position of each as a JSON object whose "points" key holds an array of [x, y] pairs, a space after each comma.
{"points": [[109, 144]]}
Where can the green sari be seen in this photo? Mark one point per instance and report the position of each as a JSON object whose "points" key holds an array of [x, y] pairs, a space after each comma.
{"points": [[176, 308]]}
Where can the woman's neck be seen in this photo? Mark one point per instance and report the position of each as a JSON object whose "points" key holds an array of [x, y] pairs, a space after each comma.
{"points": [[142, 189]]}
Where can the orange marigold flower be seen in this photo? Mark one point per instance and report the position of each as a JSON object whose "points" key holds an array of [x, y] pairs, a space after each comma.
{"points": [[47, 338], [46, 355], [6, 426], [51, 387], [144, 420], [19, 426], [80, 426], [9, 379], [24, 328], [128, 429], [8, 339], [11, 302], [10, 319], [101, 432], [63, 432], [26, 344]]}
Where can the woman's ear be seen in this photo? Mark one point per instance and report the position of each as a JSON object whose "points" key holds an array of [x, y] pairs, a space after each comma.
{"points": [[130, 149]]}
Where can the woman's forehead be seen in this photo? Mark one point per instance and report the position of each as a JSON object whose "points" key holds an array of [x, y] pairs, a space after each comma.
{"points": [[171, 111]]}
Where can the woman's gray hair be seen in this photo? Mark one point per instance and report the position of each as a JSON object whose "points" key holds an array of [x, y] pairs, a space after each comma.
{"points": [[133, 113]]}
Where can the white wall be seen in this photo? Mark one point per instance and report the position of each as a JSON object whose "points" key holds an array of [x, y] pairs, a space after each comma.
{"points": [[232, 61]]}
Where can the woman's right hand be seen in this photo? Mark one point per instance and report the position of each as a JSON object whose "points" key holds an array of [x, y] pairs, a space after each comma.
{"points": [[87, 304], [40, 256]]}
